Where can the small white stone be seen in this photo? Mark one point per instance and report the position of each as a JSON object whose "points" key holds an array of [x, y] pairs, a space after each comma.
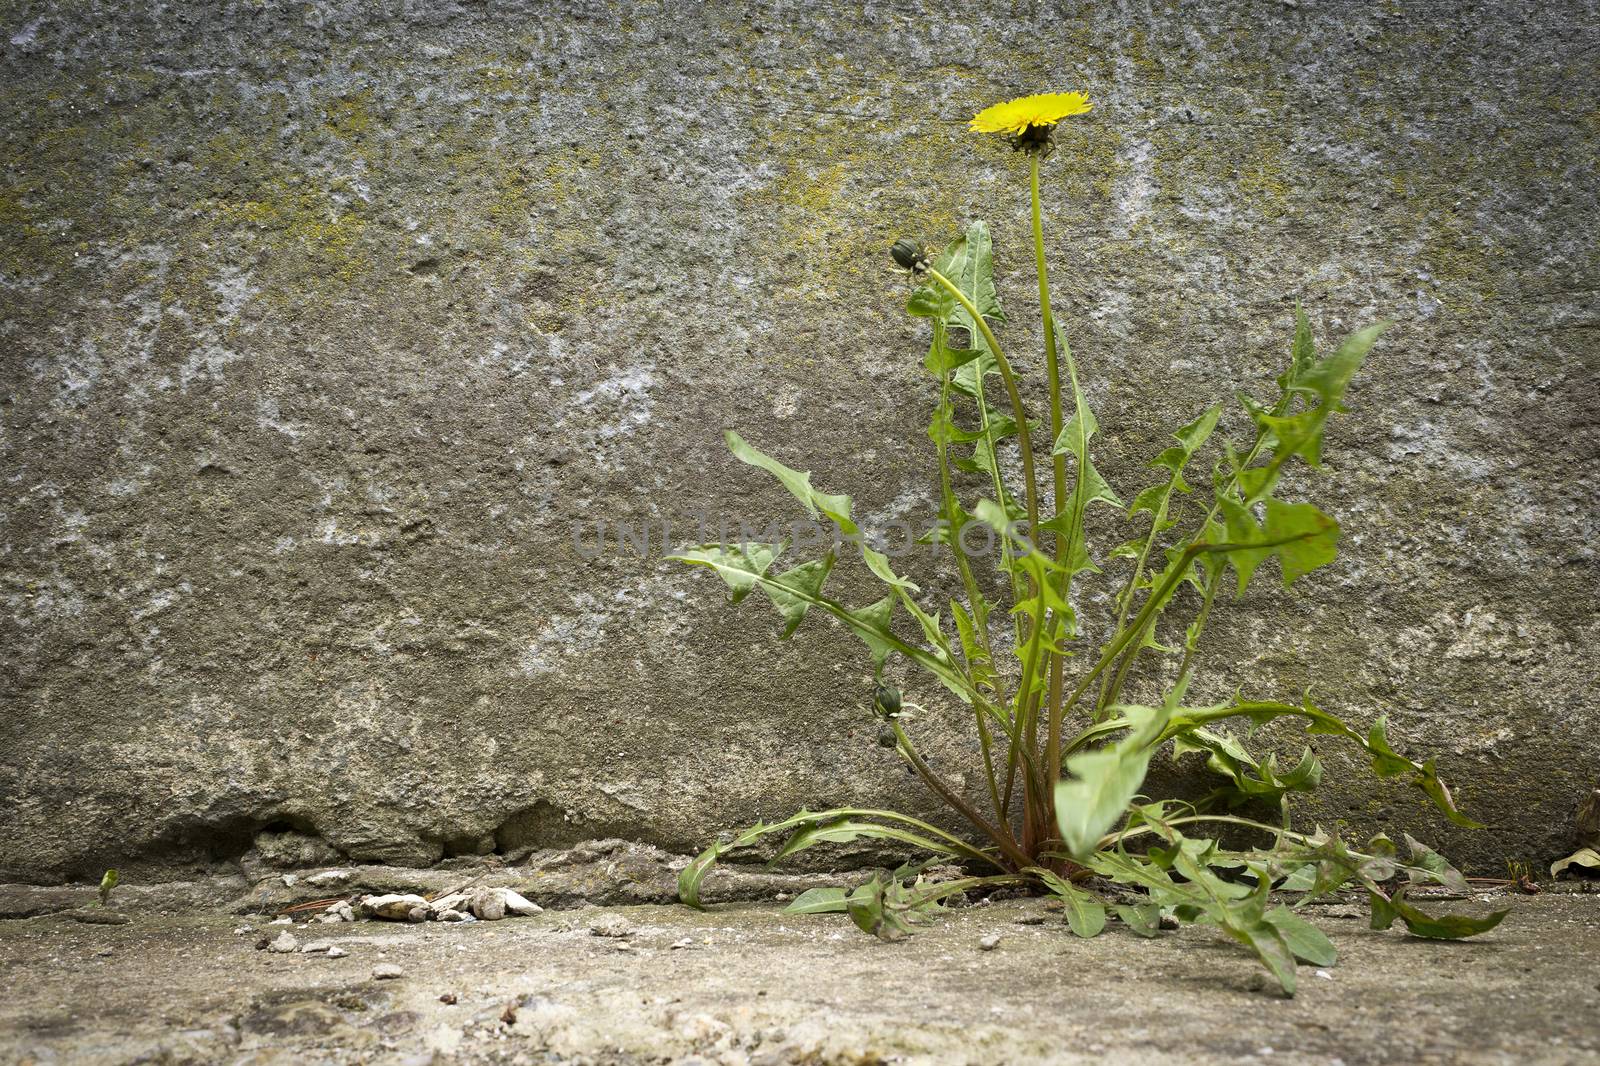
{"points": [[285, 944], [317, 947], [329, 877], [517, 903], [1325, 975], [336, 952], [396, 907], [281, 921], [990, 942], [686, 942], [387, 971]]}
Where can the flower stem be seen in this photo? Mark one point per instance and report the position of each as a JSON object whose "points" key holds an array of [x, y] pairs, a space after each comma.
{"points": [[1018, 412], [1052, 759]]}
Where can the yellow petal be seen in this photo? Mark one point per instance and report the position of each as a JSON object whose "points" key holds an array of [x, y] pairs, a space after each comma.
{"points": [[1040, 109]]}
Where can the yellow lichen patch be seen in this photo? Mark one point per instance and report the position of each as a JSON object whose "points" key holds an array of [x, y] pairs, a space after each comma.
{"points": [[309, 219], [349, 117]]}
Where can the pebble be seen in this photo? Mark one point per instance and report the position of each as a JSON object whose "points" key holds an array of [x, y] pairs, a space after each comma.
{"points": [[337, 952], [387, 971], [339, 912], [281, 921], [990, 942], [613, 925], [317, 947], [1325, 975], [686, 942], [1031, 919], [285, 944], [517, 903], [489, 904], [396, 907]]}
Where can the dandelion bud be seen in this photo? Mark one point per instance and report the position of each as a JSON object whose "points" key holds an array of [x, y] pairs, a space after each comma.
{"points": [[886, 701], [910, 256]]}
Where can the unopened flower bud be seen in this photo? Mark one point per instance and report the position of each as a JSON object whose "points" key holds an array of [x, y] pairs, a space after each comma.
{"points": [[910, 256], [886, 700]]}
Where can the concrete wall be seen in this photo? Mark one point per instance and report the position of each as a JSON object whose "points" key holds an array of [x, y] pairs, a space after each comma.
{"points": [[321, 324]]}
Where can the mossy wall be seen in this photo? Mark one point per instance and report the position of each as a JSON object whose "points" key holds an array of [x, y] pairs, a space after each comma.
{"points": [[322, 325]]}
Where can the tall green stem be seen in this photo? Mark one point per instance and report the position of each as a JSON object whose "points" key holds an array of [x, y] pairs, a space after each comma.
{"points": [[969, 582], [1030, 486], [1018, 412], [1052, 758]]}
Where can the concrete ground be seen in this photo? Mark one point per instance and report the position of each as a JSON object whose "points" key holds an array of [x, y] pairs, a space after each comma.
{"points": [[748, 984]]}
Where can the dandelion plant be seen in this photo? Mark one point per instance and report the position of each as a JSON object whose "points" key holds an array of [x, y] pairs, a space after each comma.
{"points": [[1064, 752]]}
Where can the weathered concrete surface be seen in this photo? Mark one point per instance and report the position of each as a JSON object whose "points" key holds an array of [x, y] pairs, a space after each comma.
{"points": [[322, 324], [746, 985]]}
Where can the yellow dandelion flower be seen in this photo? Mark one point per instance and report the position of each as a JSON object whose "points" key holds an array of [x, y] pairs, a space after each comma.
{"points": [[1040, 110]]}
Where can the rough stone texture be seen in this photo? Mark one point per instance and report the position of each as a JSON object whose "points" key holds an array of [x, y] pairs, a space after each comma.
{"points": [[323, 324], [748, 986]]}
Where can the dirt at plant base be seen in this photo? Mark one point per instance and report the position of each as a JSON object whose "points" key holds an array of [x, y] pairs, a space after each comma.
{"points": [[748, 984]]}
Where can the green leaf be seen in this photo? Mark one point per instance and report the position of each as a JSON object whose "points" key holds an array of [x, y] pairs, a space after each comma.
{"points": [[1304, 939], [1267, 941], [690, 878], [1422, 924], [798, 482], [1324, 382], [1090, 487], [1144, 919], [741, 566], [1430, 865], [1301, 536], [793, 591], [871, 624], [1086, 912], [1100, 784], [968, 261], [943, 359], [819, 901], [844, 830]]}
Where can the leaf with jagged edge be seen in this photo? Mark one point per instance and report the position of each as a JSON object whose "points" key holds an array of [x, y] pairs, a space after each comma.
{"points": [[1249, 778], [1429, 865], [1419, 922], [1304, 939], [1100, 784], [968, 261], [845, 830], [1385, 760], [793, 591], [829, 900], [1142, 919], [1086, 912], [1089, 488], [1325, 382], [690, 878], [1300, 535], [741, 566], [872, 626], [798, 482], [968, 629]]}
